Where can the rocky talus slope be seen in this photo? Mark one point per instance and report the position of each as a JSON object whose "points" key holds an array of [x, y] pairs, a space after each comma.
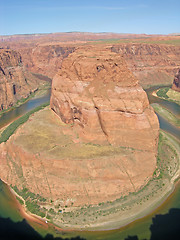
{"points": [[15, 81], [176, 82], [98, 144], [152, 64]]}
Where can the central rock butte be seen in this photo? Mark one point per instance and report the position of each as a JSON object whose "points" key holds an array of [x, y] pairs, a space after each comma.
{"points": [[101, 142], [96, 93]]}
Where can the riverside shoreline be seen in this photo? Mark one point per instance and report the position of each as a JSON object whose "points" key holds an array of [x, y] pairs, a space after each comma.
{"points": [[166, 114], [136, 211], [135, 206], [120, 219], [170, 95]]}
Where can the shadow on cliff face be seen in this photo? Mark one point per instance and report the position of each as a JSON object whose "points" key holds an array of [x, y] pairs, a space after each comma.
{"points": [[23, 231], [166, 227]]}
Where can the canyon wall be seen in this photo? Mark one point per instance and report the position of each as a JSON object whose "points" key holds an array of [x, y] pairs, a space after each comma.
{"points": [[152, 64], [176, 82], [15, 81], [45, 59], [153, 59]]}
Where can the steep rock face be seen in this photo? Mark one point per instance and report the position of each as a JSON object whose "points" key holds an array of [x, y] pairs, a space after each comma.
{"points": [[42, 157], [15, 81], [176, 82], [103, 100], [45, 59], [151, 63]]}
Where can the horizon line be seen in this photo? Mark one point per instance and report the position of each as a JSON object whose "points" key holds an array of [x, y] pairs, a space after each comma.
{"points": [[46, 33]]}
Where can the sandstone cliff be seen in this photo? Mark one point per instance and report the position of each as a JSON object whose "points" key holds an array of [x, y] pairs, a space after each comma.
{"points": [[15, 81], [45, 59], [103, 100], [153, 59], [152, 64], [176, 82]]}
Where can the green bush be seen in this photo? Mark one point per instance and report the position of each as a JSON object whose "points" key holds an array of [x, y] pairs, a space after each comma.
{"points": [[162, 92], [51, 210], [34, 208]]}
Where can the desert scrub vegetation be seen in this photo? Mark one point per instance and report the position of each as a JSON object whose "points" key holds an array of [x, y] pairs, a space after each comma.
{"points": [[5, 135], [32, 201], [33, 207], [167, 166], [168, 94], [167, 159], [162, 92], [157, 185], [26, 194], [166, 114]]}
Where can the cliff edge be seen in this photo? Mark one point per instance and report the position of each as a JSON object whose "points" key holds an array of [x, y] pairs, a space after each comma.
{"points": [[15, 81]]}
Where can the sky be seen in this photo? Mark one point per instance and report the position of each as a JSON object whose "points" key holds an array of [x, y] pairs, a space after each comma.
{"points": [[120, 16]]}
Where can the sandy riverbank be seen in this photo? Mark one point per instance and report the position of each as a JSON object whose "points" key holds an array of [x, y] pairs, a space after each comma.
{"points": [[115, 214], [173, 119], [118, 213], [172, 95], [42, 225]]}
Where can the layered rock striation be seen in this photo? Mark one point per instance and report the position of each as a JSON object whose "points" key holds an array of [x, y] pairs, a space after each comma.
{"points": [[103, 100], [153, 63], [176, 82], [15, 81], [45, 59]]}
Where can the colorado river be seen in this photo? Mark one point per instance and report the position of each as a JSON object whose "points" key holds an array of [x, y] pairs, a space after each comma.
{"points": [[171, 106], [10, 116], [138, 228]]}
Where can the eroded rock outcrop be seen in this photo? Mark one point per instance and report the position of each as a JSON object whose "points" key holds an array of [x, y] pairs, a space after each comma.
{"points": [[15, 81], [103, 100], [176, 82]]}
